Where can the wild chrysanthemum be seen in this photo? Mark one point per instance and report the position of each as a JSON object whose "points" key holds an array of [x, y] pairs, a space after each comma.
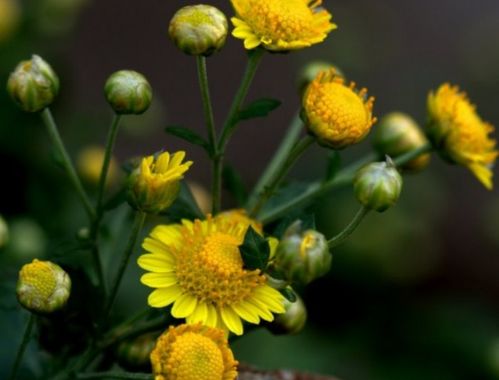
{"points": [[281, 24], [197, 267], [336, 113], [193, 352], [460, 134]]}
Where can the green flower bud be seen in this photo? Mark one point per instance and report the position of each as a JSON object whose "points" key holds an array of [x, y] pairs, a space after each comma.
{"points": [[377, 186], [4, 232], [292, 321], [128, 92], [397, 134], [199, 29], [134, 354], [302, 256], [310, 71], [43, 287], [33, 84]]}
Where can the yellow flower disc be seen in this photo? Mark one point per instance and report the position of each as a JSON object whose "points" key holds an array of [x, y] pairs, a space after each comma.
{"points": [[197, 267], [460, 134], [193, 352], [335, 113], [281, 24]]}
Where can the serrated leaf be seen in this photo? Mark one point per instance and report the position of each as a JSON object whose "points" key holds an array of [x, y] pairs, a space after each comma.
{"points": [[289, 294], [255, 250], [258, 108], [234, 184], [188, 135], [333, 165]]}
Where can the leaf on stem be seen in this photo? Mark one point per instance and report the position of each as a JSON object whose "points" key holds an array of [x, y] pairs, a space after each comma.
{"points": [[258, 108], [255, 250], [189, 135]]}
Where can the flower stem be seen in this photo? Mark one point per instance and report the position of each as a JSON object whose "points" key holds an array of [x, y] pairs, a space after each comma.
{"points": [[66, 160], [255, 57], [277, 177], [343, 235], [140, 218], [115, 375], [22, 347], [278, 159]]}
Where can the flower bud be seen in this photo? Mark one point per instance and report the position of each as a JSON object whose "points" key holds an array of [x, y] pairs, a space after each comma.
{"points": [[397, 134], [4, 232], [89, 165], [43, 287], [128, 92], [134, 354], [155, 184], [377, 186], [33, 84], [292, 321], [199, 29], [310, 71], [302, 256]]}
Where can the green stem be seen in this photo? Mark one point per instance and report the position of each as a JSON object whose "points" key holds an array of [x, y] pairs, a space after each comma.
{"points": [[134, 234], [230, 124], [290, 138], [66, 160], [343, 235], [22, 347], [409, 156], [115, 375], [207, 106], [279, 175]]}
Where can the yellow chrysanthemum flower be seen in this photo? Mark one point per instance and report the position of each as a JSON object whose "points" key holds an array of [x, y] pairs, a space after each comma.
{"points": [[336, 113], [281, 24], [197, 267], [460, 134], [193, 352], [155, 184]]}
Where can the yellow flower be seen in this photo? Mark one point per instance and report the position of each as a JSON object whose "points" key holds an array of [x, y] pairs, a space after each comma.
{"points": [[155, 184], [281, 24], [197, 267], [336, 113], [89, 164], [460, 134], [193, 352]]}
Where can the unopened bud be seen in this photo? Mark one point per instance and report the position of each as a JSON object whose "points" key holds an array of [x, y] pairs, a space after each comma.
{"points": [[302, 256], [134, 354], [128, 92], [310, 71], [199, 29], [43, 287], [377, 186], [33, 84], [397, 134], [292, 321]]}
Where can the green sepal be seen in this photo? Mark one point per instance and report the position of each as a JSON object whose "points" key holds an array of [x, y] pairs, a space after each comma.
{"points": [[289, 294]]}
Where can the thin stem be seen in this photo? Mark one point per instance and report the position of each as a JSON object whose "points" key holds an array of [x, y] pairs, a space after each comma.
{"points": [[290, 138], [134, 234], [269, 189], [409, 156], [22, 347], [66, 160], [207, 106], [115, 375], [230, 125], [343, 235]]}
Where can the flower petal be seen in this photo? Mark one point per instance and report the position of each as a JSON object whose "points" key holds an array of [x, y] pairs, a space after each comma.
{"points": [[164, 296], [159, 280], [184, 306], [232, 320]]}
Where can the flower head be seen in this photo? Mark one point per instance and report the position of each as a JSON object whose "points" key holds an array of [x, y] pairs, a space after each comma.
{"points": [[197, 267], [43, 287], [459, 133], [281, 24], [336, 113], [193, 352], [155, 184]]}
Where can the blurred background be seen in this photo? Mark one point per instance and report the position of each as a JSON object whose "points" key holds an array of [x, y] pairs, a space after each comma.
{"points": [[413, 294]]}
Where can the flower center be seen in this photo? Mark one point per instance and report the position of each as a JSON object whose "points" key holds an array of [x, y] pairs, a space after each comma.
{"points": [[41, 277]]}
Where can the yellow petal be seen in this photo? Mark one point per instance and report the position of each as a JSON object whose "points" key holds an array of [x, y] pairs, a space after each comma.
{"points": [[156, 262], [200, 313], [483, 173], [159, 280], [162, 162], [232, 320], [164, 296], [211, 316], [251, 42], [247, 313], [184, 306]]}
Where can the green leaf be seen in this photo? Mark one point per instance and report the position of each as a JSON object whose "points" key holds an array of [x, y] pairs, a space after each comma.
{"points": [[188, 135], [258, 108], [289, 294], [255, 250], [233, 183], [333, 165]]}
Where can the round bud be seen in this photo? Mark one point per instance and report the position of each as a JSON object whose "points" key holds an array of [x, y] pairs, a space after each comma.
{"points": [[4, 232], [302, 256], [292, 321], [134, 354], [33, 84], [377, 186], [43, 287], [128, 92], [310, 71], [397, 134], [199, 29]]}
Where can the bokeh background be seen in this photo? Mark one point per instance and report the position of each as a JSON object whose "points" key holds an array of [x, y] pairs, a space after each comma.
{"points": [[414, 293]]}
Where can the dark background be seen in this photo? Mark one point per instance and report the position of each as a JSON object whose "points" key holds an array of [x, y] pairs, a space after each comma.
{"points": [[413, 295]]}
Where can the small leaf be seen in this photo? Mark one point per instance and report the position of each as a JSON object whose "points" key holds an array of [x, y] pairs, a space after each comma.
{"points": [[255, 250], [258, 108], [234, 184], [289, 294], [188, 135], [333, 165]]}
